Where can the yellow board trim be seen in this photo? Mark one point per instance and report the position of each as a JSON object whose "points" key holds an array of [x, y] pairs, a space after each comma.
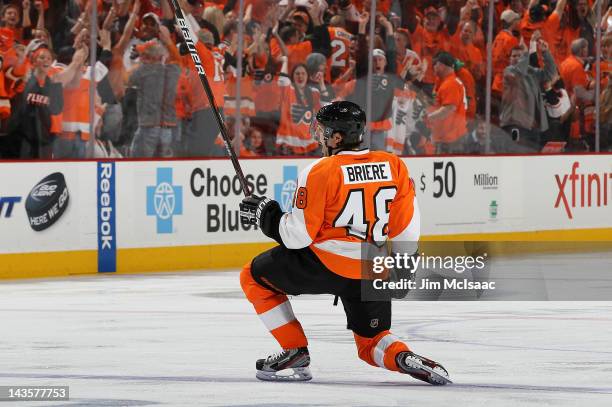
{"points": [[48, 264], [223, 256], [159, 259]]}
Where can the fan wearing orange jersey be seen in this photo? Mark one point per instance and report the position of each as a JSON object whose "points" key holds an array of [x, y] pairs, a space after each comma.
{"points": [[299, 101], [382, 6], [503, 44], [469, 83], [229, 49], [605, 105], [577, 83], [7, 56], [465, 50], [535, 19], [350, 200], [11, 19], [606, 59], [338, 62], [447, 119], [429, 39]]}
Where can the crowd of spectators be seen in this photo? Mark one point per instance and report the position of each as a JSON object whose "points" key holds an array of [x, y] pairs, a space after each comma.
{"points": [[428, 81]]}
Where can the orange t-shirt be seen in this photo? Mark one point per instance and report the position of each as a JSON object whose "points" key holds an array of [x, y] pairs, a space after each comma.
{"points": [[560, 42], [470, 89], [573, 74], [427, 45], [471, 57], [502, 48], [450, 92], [297, 52], [549, 27], [606, 68], [382, 6]]}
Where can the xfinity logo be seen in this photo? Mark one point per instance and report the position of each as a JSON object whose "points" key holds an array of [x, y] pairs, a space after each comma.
{"points": [[8, 202], [582, 190]]}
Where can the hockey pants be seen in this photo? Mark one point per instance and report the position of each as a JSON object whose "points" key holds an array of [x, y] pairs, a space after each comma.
{"points": [[279, 272]]}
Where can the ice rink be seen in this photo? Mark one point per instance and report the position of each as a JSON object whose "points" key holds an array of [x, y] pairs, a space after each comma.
{"points": [[191, 339]]}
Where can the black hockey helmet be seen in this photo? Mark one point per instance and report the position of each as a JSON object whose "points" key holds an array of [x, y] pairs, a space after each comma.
{"points": [[343, 117]]}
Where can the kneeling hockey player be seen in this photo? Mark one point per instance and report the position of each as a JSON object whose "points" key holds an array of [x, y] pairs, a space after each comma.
{"points": [[348, 198]]}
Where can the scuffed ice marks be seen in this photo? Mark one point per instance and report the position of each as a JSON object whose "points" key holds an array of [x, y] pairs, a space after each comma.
{"points": [[104, 403]]}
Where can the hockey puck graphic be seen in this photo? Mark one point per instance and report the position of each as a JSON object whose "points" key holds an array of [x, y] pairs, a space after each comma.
{"points": [[47, 201]]}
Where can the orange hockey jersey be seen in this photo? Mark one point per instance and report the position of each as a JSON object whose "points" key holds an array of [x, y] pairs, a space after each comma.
{"points": [[340, 45], [296, 116], [350, 198]]}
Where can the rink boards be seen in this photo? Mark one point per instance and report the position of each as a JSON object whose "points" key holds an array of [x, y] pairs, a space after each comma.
{"points": [[137, 216]]}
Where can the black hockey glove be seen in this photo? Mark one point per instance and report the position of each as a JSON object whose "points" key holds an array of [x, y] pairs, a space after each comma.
{"points": [[252, 208], [263, 212]]}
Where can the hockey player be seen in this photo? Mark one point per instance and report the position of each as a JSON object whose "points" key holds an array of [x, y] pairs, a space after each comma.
{"points": [[346, 199]]}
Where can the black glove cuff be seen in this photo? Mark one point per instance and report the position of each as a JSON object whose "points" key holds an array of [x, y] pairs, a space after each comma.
{"points": [[269, 219]]}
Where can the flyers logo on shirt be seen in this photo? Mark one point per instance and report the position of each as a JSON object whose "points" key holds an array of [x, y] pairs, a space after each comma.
{"points": [[261, 75], [380, 82], [401, 117], [301, 114]]}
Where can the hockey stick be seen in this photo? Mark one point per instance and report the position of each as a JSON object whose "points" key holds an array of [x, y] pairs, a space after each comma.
{"points": [[184, 26]]}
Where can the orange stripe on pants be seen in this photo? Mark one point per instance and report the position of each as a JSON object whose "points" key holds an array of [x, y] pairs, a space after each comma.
{"points": [[289, 335], [365, 350]]}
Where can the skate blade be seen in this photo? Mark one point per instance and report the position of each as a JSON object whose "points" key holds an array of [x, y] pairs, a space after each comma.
{"points": [[298, 374], [425, 373]]}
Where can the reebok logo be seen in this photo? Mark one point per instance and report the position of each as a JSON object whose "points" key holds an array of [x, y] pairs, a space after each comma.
{"points": [[591, 188], [107, 242]]}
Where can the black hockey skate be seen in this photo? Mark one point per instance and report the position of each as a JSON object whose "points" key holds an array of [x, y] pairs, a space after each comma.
{"points": [[287, 365], [422, 368]]}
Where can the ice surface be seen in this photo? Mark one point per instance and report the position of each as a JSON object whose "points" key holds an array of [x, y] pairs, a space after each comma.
{"points": [[191, 339]]}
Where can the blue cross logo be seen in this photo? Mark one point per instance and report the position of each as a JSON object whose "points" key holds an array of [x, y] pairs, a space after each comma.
{"points": [[283, 193], [164, 200]]}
